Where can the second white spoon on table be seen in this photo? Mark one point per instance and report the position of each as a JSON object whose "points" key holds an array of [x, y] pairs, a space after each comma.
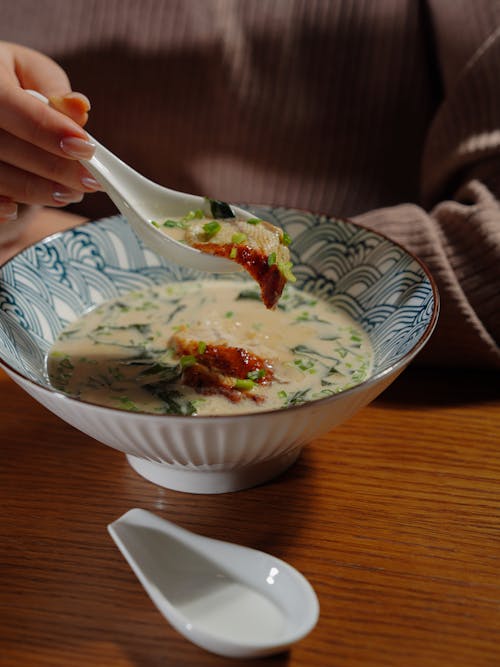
{"points": [[224, 597], [141, 201]]}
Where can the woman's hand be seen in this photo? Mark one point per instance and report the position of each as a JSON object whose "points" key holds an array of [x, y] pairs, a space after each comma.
{"points": [[40, 145]]}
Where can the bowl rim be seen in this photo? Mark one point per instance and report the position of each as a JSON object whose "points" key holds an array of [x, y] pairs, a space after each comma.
{"points": [[369, 382]]}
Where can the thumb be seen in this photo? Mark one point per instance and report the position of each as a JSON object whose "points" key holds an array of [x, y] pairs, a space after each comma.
{"points": [[39, 72], [74, 105]]}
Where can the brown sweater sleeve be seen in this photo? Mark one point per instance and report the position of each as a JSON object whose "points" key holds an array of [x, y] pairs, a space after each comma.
{"points": [[459, 238], [460, 242]]}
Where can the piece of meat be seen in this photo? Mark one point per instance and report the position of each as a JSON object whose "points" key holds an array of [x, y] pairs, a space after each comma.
{"points": [[221, 368], [208, 382], [260, 248], [270, 279]]}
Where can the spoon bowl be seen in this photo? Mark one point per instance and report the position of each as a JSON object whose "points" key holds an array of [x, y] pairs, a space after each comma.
{"points": [[228, 599], [142, 201]]}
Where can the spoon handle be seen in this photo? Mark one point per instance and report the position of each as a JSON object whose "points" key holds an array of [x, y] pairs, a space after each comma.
{"points": [[99, 166], [142, 201]]}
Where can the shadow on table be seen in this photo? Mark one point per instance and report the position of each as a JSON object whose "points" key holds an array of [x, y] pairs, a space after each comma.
{"points": [[434, 387]]}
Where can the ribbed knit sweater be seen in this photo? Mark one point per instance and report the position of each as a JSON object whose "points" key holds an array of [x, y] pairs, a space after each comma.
{"points": [[385, 111]]}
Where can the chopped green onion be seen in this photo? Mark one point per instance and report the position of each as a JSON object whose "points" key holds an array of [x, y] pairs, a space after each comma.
{"points": [[304, 364], [126, 403], [180, 224], [233, 253], [194, 215], [187, 360], [286, 271], [202, 346], [271, 260], [286, 239], [239, 238], [229, 313], [155, 224], [244, 384], [254, 221], [256, 375], [211, 228]]}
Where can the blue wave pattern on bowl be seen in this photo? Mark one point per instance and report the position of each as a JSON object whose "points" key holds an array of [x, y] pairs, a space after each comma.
{"points": [[375, 281], [55, 281]]}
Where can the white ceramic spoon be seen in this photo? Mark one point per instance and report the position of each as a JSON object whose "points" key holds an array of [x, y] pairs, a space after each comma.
{"points": [[140, 201], [226, 598]]}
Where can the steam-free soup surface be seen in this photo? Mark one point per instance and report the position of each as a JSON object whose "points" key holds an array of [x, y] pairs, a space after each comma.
{"points": [[154, 351]]}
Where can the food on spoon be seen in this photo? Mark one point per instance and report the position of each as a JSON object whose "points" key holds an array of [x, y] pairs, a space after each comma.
{"points": [[258, 246]]}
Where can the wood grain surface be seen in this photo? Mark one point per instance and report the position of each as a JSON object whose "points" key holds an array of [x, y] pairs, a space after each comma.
{"points": [[394, 517]]}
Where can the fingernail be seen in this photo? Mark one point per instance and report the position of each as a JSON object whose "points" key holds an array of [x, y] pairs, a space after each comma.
{"points": [[8, 209], [8, 217], [80, 98], [77, 148], [91, 183], [64, 196]]}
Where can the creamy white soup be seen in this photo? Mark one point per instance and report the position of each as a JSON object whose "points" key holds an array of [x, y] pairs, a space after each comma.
{"points": [[209, 347]]}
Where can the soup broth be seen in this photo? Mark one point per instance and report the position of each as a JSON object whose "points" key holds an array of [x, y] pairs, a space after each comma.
{"points": [[209, 347]]}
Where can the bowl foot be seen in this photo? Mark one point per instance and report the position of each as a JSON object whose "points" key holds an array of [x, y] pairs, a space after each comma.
{"points": [[212, 481]]}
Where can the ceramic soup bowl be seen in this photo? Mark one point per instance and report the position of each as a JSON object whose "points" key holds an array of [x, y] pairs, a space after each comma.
{"points": [[387, 291]]}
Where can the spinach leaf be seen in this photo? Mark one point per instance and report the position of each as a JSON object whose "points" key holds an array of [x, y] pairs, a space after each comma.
{"points": [[150, 368], [248, 294], [220, 210], [174, 402]]}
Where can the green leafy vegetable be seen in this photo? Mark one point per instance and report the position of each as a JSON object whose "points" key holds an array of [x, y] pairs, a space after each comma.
{"points": [[271, 260], [194, 215], [297, 398], [244, 385], [211, 228], [178, 224], [150, 368], [286, 271], [173, 401], [249, 294], [220, 209], [127, 404], [256, 375], [187, 360], [239, 237]]}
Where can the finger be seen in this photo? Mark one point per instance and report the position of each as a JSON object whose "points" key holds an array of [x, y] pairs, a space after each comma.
{"points": [[30, 158], [30, 119], [36, 70], [8, 209], [37, 123], [39, 72], [26, 188], [10, 231], [74, 105]]}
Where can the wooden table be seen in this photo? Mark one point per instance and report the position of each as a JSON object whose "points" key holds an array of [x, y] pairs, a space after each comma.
{"points": [[394, 517]]}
